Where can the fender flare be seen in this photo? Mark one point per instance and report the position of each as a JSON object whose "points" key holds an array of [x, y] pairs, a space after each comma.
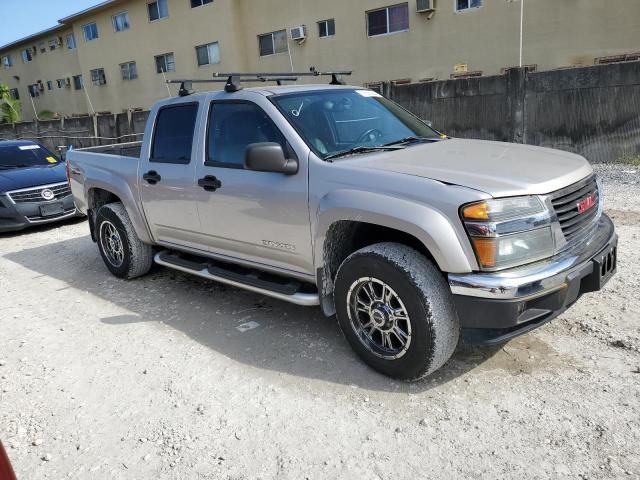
{"points": [[120, 188]]}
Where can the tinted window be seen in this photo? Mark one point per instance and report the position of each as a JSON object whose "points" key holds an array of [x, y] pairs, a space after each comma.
{"points": [[232, 127], [173, 135], [27, 155]]}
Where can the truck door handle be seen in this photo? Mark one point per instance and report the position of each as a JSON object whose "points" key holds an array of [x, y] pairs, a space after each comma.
{"points": [[210, 183], [152, 177]]}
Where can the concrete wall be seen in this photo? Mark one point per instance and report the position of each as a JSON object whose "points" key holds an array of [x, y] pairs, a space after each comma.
{"points": [[79, 132], [593, 111], [557, 33]]}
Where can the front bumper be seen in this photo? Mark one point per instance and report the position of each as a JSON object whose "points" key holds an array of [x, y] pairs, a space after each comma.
{"points": [[17, 216], [494, 308]]}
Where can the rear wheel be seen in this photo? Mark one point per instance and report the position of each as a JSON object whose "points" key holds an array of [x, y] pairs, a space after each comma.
{"points": [[395, 308], [122, 251]]}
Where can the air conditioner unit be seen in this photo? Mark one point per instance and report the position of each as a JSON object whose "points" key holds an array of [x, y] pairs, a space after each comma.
{"points": [[425, 6], [299, 33], [67, 81]]}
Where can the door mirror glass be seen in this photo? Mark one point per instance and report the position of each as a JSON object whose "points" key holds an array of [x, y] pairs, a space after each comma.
{"points": [[269, 157]]}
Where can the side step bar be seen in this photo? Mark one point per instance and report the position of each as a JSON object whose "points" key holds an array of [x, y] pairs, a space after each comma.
{"points": [[251, 280]]}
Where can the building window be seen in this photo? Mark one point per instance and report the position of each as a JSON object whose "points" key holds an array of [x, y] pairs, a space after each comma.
{"points": [[120, 22], [327, 28], [129, 70], [49, 85], [60, 82], [52, 44], [462, 5], [158, 10], [78, 82], [274, 42], [71, 41], [14, 93], [98, 77], [165, 63], [199, 3], [43, 47], [90, 31], [26, 55], [6, 61], [388, 20], [34, 90], [208, 54]]}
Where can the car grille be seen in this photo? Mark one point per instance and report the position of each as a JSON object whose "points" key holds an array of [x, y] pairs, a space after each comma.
{"points": [[565, 203], [34, 195], [38, 218]]}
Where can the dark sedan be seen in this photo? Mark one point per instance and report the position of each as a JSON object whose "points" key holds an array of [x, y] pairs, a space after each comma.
{"points": [[33, 186]]}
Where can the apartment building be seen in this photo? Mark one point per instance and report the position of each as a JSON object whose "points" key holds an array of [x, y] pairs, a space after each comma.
{"points": [[117, 55]]}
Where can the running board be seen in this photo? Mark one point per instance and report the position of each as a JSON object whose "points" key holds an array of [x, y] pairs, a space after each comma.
{"points": [[288, 290]]}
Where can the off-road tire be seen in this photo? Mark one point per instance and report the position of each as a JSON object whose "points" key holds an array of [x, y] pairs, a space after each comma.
{"points": [[435, 328], [137, 256]]}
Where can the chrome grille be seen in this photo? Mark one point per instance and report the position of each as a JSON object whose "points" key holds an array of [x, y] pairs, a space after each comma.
{"points": [[34, 195], [565, 203]]}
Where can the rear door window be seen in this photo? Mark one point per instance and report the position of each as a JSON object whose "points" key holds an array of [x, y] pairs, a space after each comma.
{"points": [[173, 135]]}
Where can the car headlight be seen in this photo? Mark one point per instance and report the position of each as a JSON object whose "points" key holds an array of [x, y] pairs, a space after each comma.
{"points": [[509, 232]]}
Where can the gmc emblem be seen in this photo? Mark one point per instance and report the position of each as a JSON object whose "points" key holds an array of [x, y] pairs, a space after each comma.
{"points": [[587, 203]]}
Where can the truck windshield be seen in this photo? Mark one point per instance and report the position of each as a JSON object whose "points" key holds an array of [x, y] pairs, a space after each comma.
{"points": [[336, 122], [25, 155]]}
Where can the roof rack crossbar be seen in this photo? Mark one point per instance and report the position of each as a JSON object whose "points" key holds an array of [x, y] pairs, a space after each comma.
{"points": [[232, 83], [234, 79]]}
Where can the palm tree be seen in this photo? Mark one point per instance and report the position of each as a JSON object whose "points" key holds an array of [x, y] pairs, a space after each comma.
{"points": [[9, 108]]}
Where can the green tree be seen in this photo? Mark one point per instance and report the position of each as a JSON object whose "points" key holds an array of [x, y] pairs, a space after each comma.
{"points": [[9, 108]]}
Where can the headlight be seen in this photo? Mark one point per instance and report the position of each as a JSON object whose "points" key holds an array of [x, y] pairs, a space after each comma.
{"points": [[508, 232]]}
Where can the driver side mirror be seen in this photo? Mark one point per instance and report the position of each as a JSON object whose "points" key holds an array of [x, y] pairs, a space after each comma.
{"points": [[269, 157]]}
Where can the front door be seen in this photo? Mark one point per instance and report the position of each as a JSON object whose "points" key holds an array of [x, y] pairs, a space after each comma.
{"points": [[260, 217], [167, 174]]}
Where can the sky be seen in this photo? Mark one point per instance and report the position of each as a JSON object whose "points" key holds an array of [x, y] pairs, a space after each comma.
{"points": [[25, 17]]}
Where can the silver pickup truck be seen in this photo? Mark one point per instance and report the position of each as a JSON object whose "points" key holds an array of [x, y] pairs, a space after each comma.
{"points": [[335, 196]]}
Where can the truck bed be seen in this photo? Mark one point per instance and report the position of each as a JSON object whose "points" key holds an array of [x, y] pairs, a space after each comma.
{"points": [[130, 149]]}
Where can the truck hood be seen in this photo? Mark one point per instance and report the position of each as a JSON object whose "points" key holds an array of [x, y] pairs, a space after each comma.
{"points": [[499, 169], [19, 178]]}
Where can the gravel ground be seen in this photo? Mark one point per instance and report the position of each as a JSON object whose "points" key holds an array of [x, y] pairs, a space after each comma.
{"points": [[157, 378]]}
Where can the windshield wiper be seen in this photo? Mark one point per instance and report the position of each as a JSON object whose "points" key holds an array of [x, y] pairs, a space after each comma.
{"points": [[362, 149], [409, 140]]}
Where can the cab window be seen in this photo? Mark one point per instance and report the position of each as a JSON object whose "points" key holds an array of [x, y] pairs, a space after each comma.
{"points": [[235, 125], [173, 135]]}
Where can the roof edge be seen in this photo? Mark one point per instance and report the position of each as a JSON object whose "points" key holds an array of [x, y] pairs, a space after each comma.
{"points": [[87, 11], [33, 36]]}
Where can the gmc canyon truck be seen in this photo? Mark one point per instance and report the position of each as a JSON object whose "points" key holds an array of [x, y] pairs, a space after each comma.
{"points": [[335, 196]]}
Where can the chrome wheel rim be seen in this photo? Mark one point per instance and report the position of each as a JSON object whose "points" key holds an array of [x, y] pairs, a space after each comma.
{"points": [[112, 244], [379, 318]]}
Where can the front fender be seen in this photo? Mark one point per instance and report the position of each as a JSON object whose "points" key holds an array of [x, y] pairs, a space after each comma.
{"points": [[446, 241]]}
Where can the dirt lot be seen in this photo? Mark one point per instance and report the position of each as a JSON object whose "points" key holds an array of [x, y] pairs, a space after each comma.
{"points": [[102, 378]]}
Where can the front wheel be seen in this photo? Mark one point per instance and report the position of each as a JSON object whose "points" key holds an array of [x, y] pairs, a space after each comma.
{"points": [[122, 251], [395, 308]]}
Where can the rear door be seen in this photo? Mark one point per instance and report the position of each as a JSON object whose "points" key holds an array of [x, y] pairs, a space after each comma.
{"points": [[167, 173]]}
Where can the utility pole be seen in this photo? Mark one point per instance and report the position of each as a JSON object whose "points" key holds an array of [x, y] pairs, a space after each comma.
{"points": [[521, 29]]}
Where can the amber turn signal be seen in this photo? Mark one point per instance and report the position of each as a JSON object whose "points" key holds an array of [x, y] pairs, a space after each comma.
{"points": [[485, 251], [476, 211]]}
